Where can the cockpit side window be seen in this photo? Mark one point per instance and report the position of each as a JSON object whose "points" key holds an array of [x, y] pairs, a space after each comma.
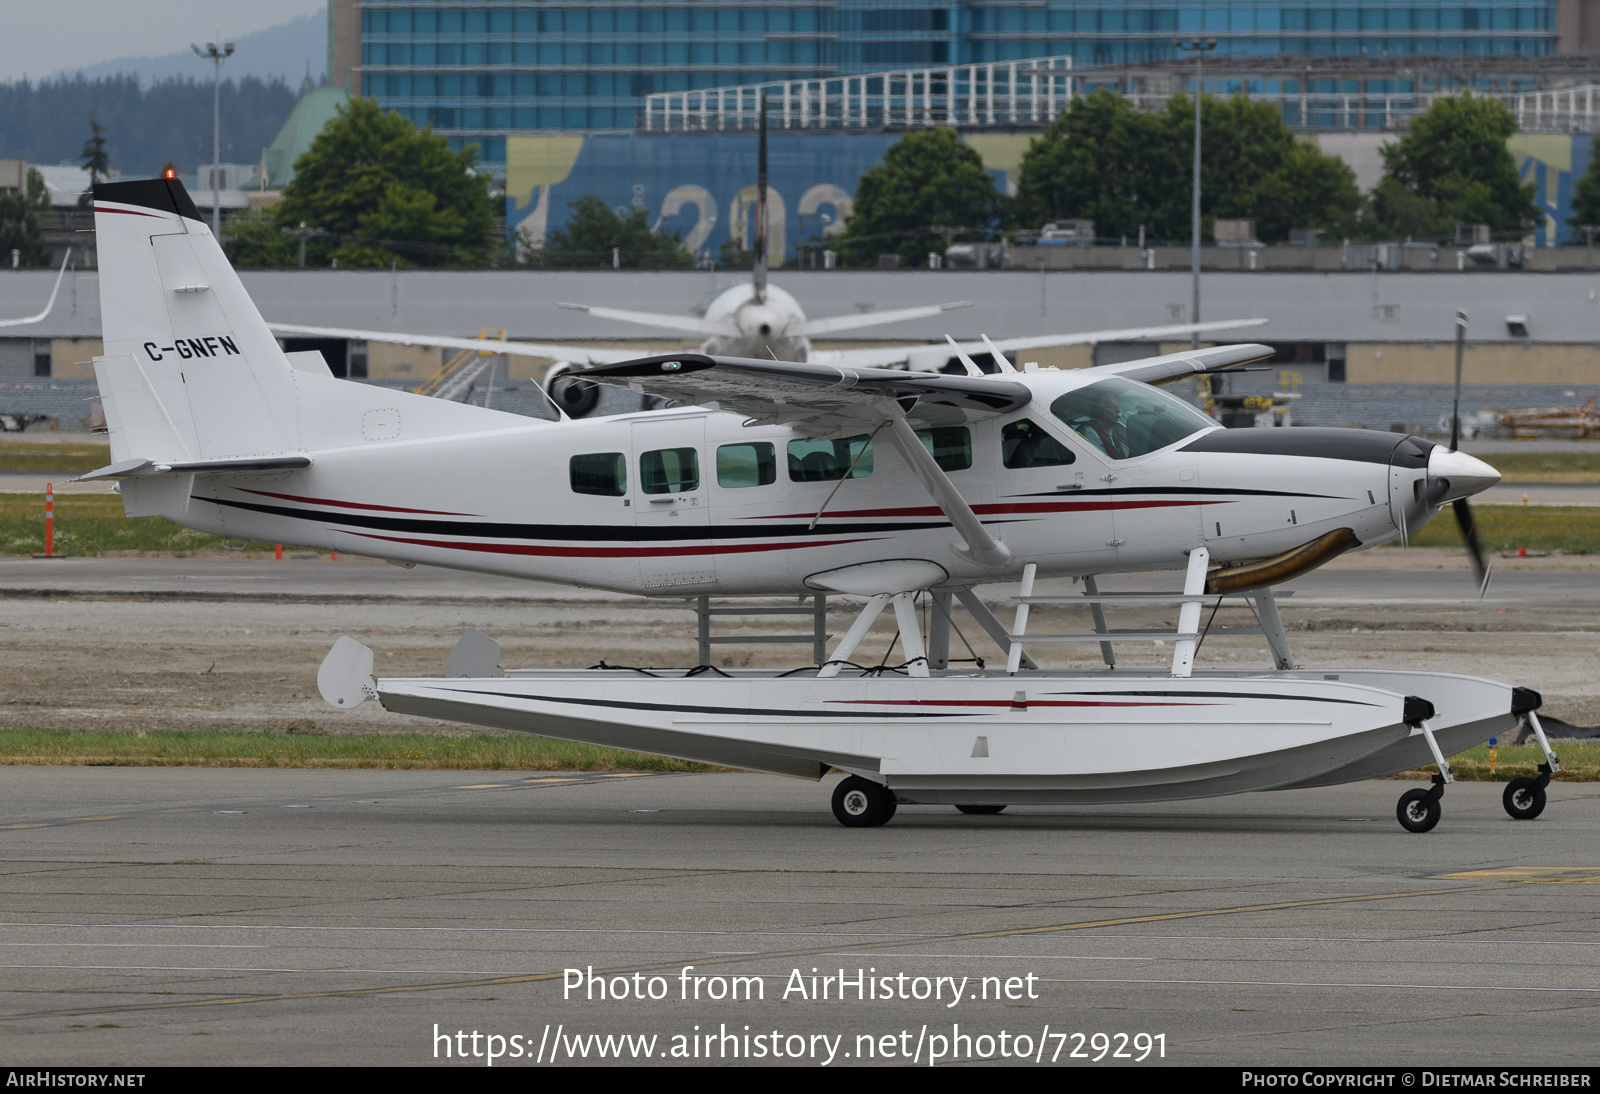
{"points": [[1123, 419], [602, 473], [1025, 444]]}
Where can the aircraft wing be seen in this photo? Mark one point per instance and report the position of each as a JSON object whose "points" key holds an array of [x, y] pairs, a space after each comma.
{"points": [[846, 399], [579, 354], [900, 355], [1173, 366], [875, 318], [48, 304], [687, 323]]}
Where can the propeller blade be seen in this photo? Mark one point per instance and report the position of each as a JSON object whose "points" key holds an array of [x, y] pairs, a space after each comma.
{"points": [[1469, 533], [1455, 407]]}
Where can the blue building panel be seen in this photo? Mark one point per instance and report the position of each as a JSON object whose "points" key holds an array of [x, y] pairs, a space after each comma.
{"points": [[702, 185], [699, 185]]}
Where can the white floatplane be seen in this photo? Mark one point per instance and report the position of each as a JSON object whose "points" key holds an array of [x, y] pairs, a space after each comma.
{"points": [[783, 478]]}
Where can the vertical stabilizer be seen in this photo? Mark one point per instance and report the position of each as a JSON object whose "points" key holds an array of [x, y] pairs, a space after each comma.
{"points": [[188, 360], [759, 270]]}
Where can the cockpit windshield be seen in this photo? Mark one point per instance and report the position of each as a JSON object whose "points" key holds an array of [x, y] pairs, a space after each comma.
{"points": [[1124, 419]]}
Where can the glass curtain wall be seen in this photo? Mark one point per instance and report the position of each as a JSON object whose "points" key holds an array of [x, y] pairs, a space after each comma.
{"points": [[480, 69]]}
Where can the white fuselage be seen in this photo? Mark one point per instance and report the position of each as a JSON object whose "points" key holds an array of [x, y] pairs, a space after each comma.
{"points": [[766, 329], [505, 502]]}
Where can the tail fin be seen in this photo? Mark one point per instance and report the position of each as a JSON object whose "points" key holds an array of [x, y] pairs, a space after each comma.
{"points": [[190, 367]]}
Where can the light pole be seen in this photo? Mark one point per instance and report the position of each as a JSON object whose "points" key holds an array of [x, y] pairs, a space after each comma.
{"points": [[303, 233], [1200, 46], [216, 57]]}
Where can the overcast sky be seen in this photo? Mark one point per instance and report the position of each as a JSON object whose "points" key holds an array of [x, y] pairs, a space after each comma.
{"points": [[39, 39]]}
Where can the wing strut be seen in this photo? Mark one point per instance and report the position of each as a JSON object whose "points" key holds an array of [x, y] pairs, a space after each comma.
{"points": [[982, 547]]}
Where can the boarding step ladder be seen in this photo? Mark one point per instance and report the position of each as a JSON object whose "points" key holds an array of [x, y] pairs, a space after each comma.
{"points": [[817, 609], [1186, 637], [461, 371]]}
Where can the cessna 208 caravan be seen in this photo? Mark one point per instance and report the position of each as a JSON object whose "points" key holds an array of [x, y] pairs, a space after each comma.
{"points": [[784, 478]]}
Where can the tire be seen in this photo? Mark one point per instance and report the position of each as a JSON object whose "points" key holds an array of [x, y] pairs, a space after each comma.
{"points": [[1522, 799], [981, 810], [862, 803], [577, 397], [1417, 812]]}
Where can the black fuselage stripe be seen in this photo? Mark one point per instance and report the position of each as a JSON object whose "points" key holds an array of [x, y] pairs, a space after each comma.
{"points": [[1188, 491], [625, 533]]}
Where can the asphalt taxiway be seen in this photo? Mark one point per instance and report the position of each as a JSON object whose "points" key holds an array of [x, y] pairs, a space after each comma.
{"points": [[346, 917]]}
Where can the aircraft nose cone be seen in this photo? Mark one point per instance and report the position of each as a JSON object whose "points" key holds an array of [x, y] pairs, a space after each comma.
{"points": [[1453, 475], [759, 322]]}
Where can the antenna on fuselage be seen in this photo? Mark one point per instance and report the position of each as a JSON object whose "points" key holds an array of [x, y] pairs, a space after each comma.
{"points": [[966, 362], [1002, 363], [759, 273]]}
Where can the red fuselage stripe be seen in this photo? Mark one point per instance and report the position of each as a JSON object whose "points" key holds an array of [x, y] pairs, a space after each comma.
{"points": [[128, 212], [606, 552], [356, 505], [996, 510]]}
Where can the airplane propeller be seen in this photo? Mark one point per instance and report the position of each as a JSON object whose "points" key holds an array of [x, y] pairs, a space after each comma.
{"points": [[1463, 511]]}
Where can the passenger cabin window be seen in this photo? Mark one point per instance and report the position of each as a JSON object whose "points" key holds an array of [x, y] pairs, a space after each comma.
{"points": [[669, 471], [1025, 444], [1124, 419], [740, 465], [829, 461], [950, 446], [603, 473]]}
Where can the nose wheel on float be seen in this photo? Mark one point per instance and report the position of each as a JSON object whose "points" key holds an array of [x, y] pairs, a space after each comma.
{"points": [[1524, 798]]}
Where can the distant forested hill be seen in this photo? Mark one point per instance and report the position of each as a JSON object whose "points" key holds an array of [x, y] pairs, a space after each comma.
{"points": [[47, 122]]}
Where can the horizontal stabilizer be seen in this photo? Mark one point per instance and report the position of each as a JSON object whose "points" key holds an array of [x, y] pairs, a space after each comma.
{"points": [[688, 323], [582, 355], [135, 469], [835, 323]]}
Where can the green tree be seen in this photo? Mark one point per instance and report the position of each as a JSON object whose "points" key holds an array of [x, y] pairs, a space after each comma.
{"points": [[1104, 160], [1586, 196], [1123, 168], [594, 229], [254, 238], [385, 192], [1455, 156], [20, 219], [928, 179], [95, 160], [1253, 167]]}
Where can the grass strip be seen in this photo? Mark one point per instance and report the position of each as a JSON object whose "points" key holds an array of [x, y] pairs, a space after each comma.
{"points": [[36, 456], [1571, 529], [408, 752], [1580, 763], [1545, 466], [89, 525]]}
